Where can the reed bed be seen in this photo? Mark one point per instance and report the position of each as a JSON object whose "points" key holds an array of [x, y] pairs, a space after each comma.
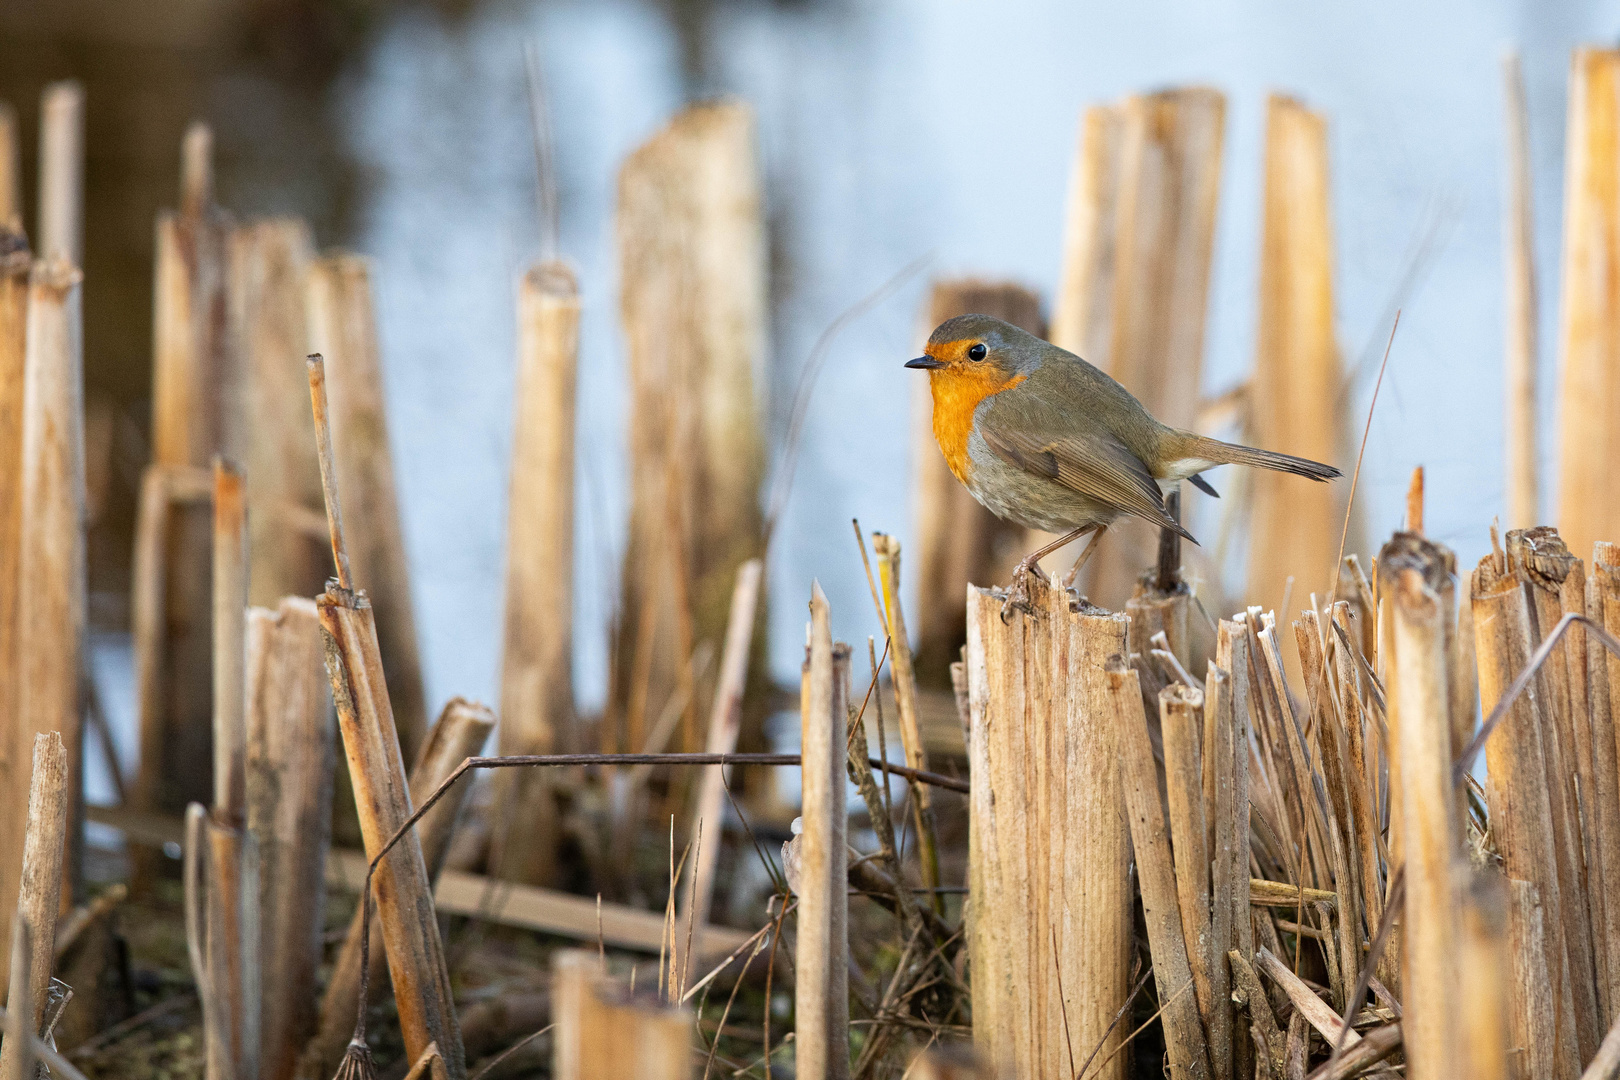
{"points": [[1188, 837]]}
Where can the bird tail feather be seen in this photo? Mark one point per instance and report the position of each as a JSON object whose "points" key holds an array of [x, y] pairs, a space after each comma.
{"points": [[1224, 453]]}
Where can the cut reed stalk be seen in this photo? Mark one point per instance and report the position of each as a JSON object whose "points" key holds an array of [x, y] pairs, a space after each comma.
{"points": [[821, 1043], [1170, 151], [231, 1027], [1419, 724], [171, 500], [887, 549], [1220, 754], [1048, 851], [1538, 558], [342, 328], [230, 628], [404, 893], [1480, 1003], [1296, 391], [1534, 1045], [1169, 190], [958, 541], [269, 261], [1335, 774], [192, 367], [537, 686], [51, 558], [461, 731], [1172, 969], [1603, 683], [1361, 773], [1521, 815], [11, 201], [1227, 770], [191, 359], [17, 1052], [290, 757], [61, 172], [1523, 309], [40, 895], [1180, 720], [692, 257], [1082, 316], [1306, 1004], [1589, 317], [725, 721], [230, 949], [601, 1031], [14, 289]]}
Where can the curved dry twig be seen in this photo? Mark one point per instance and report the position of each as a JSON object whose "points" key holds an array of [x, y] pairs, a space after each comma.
{"points": [[1464, 763]]}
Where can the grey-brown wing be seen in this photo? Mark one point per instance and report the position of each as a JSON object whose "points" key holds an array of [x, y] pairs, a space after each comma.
{"points": [[1091, 462]]}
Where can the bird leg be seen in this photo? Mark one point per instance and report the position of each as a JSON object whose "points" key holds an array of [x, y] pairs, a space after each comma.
{"points": [[1085, 556], [1018, 595]]}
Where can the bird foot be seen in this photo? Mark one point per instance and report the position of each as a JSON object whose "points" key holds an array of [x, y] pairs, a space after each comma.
{"points": [[1018, 598]]}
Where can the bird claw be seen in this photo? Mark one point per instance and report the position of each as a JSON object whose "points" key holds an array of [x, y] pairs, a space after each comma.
{"points": [[1018, 598]]}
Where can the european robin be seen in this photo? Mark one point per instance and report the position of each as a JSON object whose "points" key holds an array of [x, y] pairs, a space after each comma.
{"points": [[1043, 439]]}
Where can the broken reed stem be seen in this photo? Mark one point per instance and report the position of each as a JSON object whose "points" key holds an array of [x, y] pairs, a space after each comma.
{"points": [[61, 172], [11, 204], [887, 549], [692, 302], [230, 627], [821, 1045], [17, 1052], [323, 443], [193, 370], [461, 731], [1414, 502], [1480, 1003], [1523, 309], [1048, 850], [1295, 392], [1541, 563], [603, 1031], [1603, 675], [1589, 424], [1420, 731], [290, 758], [231, 1033], [274, 439], [725, 722], [1180, 719], [342, 328], [1521, 815], [14, 290], [537, 687], [51, 558], [1183, 1029], [404, 894], [230, 948], [1159, 244], [39, 900]]}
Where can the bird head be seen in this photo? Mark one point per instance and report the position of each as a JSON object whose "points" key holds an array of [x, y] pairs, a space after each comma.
{"points": [[977, 351]]}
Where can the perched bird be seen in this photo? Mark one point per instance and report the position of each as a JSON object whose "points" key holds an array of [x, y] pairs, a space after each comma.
{"points": [[1043, 439]]}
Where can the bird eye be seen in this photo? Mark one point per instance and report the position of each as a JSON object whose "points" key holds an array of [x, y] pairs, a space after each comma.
{"points": [[977, 352]]}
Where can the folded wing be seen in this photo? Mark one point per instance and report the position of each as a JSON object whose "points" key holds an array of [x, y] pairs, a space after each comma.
{"points": [[1092, 462]]}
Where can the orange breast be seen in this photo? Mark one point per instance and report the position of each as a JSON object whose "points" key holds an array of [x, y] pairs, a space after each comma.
{"points": [[957, 393]]}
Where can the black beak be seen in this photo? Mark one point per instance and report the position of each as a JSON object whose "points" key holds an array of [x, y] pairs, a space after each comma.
{"points": [[927, 363]]}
